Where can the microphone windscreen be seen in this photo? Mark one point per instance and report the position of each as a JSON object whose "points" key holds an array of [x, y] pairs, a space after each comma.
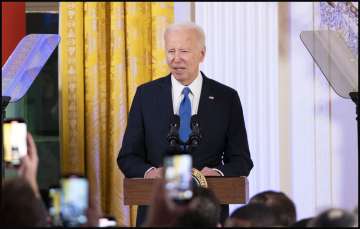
{"points": [[175, 119], [194, 120]]}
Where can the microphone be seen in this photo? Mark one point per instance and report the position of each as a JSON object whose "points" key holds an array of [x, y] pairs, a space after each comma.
{"points": [[195, 123], [173, 136], [195, 136]]}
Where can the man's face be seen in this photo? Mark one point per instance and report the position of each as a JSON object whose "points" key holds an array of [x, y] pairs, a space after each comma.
{"points": [[184, 53]]}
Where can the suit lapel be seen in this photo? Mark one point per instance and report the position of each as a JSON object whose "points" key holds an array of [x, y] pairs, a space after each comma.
{"points": [[165, 98], [205, 102], [165, 104], [164, 110]]}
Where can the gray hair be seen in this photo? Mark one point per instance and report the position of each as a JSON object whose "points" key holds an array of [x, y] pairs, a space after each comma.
{"points": [[188, 25]]}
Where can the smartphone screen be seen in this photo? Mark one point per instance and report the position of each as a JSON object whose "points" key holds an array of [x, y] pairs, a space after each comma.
{"points": [[14, 140], [74, 200], [107, 222], [178, 177], [55, 206]]}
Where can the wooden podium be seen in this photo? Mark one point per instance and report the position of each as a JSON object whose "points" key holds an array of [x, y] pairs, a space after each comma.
{"points": [[229, 190]]}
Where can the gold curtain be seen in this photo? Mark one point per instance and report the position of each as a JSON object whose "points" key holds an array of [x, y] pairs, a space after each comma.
{"points": [[107, 49]]}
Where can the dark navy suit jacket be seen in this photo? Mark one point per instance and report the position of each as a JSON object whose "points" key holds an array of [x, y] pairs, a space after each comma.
{"points": [[224, 143]]}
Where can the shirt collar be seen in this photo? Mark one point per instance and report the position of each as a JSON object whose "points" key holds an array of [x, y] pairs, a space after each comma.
{"points": [[195, 86]]}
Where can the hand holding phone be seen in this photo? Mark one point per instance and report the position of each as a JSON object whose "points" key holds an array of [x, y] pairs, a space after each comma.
{"points": [[20, 151], [29, 164]]}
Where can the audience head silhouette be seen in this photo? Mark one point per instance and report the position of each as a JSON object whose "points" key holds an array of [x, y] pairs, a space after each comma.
{"points": [[205, 211], [20, 206], [252, 215], [334, 217], [281, 205]]}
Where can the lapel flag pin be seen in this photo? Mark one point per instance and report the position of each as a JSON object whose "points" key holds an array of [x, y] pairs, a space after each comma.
{"points": [[211, 97]]}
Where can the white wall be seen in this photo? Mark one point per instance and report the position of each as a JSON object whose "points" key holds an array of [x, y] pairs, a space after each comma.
{"points": [[323, 137], [302, 136], [242, 46], [182, 11]]}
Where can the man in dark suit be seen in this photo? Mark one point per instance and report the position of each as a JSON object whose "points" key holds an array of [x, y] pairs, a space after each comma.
{"points": [[223, 150]]}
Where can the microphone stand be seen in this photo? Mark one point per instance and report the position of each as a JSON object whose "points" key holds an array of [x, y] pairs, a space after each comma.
{"points": [[176, 146], [173, 138], [194, 138], [355, 98]]}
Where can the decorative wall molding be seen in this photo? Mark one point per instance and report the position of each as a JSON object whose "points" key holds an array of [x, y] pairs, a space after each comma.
{"points": [[51, 7]]}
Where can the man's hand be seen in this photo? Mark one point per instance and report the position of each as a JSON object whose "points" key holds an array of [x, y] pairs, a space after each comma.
{"points": [[29, 164], [154, 173], [209, 172]]}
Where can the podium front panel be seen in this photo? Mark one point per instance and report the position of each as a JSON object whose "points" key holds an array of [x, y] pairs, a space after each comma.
{"points": [[229, 190]]}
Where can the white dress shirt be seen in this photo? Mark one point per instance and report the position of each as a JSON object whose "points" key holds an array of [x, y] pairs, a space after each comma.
{"points": [[194, 96]]}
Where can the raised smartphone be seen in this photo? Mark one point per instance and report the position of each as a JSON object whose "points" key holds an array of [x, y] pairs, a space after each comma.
{"points": [[178, 178], [74, 200], [14, 141]]}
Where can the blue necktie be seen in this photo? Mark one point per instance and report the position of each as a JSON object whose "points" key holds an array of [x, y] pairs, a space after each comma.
{"points": [[185, 115]]}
